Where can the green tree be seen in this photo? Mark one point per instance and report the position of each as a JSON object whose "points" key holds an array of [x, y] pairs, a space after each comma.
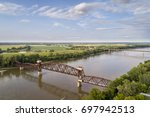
{"points": [[131, 88], [119, 96], [130, 98], [95, 94], [145, 79], [134, 74], [139, 97]]}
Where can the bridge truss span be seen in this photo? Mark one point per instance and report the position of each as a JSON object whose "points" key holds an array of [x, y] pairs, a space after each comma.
{"points": [[66, 69], [62, 68], [26, 65], [94, 80]]}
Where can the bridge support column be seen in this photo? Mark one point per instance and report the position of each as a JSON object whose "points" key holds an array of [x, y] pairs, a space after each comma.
{"points": [[80, 76], [39, 62], [21, 68], [1, 72], [40, 80], [39, 73], [79, 83]]}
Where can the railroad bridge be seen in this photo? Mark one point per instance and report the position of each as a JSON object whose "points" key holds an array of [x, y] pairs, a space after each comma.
{"points": [[66, 69]]}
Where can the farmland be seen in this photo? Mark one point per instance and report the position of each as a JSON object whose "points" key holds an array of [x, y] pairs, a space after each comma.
{"points": [[51, 52]]}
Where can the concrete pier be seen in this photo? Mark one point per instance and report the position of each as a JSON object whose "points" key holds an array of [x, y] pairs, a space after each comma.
{"points": [[80, 72], [2, 71], [80, 76], [39, 73], [39, 62], [21, 68], [79, 83]]}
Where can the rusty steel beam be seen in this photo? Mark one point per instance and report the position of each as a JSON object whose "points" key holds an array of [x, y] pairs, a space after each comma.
{"points": [[26, 65], [96, 80], [66, 69], [62, 68]]}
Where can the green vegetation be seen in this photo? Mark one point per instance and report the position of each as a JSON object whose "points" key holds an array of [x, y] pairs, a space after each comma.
{"points": [[54, 47], [5, 47], [53, 52], [127, 87]]}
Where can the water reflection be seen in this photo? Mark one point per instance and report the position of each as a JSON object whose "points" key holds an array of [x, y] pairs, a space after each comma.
{"points": [[57, 92], [66, 94]]}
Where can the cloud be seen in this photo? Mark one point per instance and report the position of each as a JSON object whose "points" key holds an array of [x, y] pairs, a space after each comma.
{"points": [[136, 7], [55, 13], [73, 12], [112, 28], [142, 10], [25, 21], [83, 9], [43, 8], [60, 25], [93, 9], [137, 26], [122, 1], [56, 24], [98, 15], [82, 24], [137, 21], [10, 8]]}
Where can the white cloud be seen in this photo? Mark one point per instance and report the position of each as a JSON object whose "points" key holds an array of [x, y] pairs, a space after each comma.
{"points": [[55, 13], [73, 12], [44, 8], [82, 24], [137, 21], [10, 8], [122, 1], [56, 24], [112, 28], [98, 15], [135, 7], [60, 25], [25, 21], [82, 9], [142, 10]]}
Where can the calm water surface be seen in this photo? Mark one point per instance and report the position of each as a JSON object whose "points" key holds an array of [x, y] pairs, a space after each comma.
{"points": [[16, 84]]}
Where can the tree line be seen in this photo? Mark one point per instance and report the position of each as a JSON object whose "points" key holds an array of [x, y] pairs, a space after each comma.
{"points": [[8, 60], [126, 87]]}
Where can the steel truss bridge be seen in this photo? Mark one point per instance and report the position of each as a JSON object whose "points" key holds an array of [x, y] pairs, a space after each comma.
{"points": [[66, 69]]}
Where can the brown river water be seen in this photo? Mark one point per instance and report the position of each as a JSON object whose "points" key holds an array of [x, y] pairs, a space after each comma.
{"points": [[25, 84]]}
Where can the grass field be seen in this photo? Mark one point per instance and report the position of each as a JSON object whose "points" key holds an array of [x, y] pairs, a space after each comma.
{"points": [[5, 47], [101, 45], [59, 48], [56, 47], [48, 47]]}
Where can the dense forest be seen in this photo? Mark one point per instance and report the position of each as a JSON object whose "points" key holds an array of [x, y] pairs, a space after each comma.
{"points": [[126, 87]]}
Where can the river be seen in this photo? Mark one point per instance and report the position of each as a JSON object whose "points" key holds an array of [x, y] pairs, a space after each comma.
{"points": [[25, 84]]}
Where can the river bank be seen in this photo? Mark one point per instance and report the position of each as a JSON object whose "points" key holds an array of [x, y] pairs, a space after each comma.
{"points": [[73, 53]]}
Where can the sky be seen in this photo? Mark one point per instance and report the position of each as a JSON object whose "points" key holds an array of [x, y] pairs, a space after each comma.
{"points": [[74, 20]]}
